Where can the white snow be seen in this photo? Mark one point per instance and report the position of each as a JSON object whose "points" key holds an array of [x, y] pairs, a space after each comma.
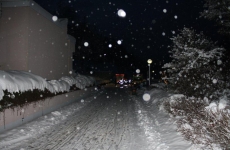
{"points": [[214, 81], [54, 18], [137, 70], [21, 81], [119, 42], [121, 13], [146, 97], [86, 44], [155, 129], [165, 10]]}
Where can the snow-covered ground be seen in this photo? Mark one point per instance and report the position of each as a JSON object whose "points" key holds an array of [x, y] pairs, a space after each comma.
{"points": [[110, 119]]}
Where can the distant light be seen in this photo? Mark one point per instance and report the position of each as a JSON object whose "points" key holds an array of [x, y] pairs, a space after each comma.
{"points": [[121, 13], [86, 44], [54, 18], [149, 61], [110, 45], [165, 10], [119, 42]]}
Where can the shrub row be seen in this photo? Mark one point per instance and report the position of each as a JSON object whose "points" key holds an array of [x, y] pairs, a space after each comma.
{"points": [[199, 123]]}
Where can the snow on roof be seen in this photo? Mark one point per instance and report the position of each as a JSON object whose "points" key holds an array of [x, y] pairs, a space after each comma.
{"points": [[21, 81]]}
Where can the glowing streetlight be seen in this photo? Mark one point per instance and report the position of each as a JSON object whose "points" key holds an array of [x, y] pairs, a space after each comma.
{"points": [[149, 61]]}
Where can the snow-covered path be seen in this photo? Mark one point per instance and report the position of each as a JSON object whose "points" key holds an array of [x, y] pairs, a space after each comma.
{"points": [[109, 120]]}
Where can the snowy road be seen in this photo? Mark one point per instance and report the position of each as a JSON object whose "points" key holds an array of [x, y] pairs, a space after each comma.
{"points": [[108, 120]]}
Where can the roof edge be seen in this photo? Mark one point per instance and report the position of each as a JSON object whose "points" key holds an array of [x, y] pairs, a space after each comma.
{"points": [[62, 22]]}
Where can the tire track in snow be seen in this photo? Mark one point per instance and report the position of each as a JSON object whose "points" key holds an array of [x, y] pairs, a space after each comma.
{"points": [[102, 124], [147, 124], [64, 133]]}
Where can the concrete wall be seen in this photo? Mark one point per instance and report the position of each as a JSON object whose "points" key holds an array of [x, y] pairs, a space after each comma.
{"points": [[31, 41], [12, 118], [13, 39]]}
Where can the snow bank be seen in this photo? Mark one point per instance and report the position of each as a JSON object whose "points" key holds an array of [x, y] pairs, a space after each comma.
{"points": [[21, 81]]}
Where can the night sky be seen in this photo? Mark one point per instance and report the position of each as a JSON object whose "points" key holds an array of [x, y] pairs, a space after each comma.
{"points": [[145, 32]]}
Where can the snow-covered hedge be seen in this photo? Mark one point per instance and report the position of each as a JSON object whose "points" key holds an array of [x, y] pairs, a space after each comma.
{"points": [[21, 81]]}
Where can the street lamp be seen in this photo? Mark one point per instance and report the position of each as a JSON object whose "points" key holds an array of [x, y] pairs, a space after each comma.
{"points": [[149, 63]]}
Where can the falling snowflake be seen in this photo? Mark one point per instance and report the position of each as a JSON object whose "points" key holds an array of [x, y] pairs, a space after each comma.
{"points": [[86, 44], [119, 42], [12, 96], [219, 62], [175, 17], [139, 111], [121, 13], [110, 45], [82, 101], [66, 95], [70, 72], [54, 18], [214, 81], [165, 10], [91, 72], [138, 71], [146, 97], [163, 34]]}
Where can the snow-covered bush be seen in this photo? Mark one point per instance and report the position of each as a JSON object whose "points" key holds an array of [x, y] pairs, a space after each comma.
{"points": [[196, 65], [201, 122]]}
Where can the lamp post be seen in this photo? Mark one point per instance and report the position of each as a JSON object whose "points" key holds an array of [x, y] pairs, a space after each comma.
{"points": [[149, 63]]}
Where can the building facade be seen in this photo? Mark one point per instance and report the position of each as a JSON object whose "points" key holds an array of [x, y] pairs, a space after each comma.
{"points": [[31, 41]]}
